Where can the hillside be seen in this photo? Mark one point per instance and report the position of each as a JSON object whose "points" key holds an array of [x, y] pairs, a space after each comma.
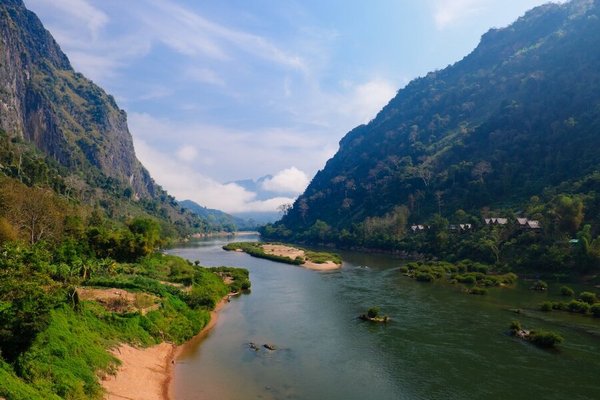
{"points": [[59, 129], [219, 219], [516, 118]]}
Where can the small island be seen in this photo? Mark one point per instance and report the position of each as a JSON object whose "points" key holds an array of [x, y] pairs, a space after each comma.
{"points": [[319, 261], [373, 315], [540, 338]]}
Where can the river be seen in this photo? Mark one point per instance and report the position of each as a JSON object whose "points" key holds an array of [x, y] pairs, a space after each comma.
{"points": [[440, 344]]}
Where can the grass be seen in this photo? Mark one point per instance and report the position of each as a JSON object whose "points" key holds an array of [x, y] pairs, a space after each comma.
{"points": [[67, 357]]}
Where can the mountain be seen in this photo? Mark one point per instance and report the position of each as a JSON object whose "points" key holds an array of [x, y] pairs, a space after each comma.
{"points": [[57, 128], [67, 116], [518, 117]]}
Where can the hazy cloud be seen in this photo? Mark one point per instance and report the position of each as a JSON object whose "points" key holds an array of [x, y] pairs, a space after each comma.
{"points": [[185, 182], [289, 180], [187, 153], [448, 12]]}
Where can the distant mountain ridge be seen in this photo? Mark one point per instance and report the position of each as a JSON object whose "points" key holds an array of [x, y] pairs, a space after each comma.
{"points": [[220, 219], [517, 117]]}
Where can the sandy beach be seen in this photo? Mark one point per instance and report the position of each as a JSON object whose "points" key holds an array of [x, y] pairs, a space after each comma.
{"points": [[145, 373], [292, 252]]}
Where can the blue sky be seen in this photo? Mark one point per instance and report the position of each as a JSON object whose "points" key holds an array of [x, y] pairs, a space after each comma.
{"points": [[218, 91]]}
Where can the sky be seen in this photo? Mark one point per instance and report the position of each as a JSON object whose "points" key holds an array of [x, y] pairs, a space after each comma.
{"points": [[218, 91]]}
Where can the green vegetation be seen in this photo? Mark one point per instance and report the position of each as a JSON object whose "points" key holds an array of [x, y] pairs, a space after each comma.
{"points": [[546, 339], [539, 285], [455, 147], [373, 315], [373, 312], [321, 257], [566, 291], [53, 340], [586, 304], [541, 338], [466, 271], [256, 249]]}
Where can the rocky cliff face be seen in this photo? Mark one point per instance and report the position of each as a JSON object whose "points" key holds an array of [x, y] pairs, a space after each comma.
{"points": [[44, 101]]}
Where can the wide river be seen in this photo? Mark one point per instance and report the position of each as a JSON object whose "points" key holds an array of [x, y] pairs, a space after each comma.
{"points": [[440, 344]]}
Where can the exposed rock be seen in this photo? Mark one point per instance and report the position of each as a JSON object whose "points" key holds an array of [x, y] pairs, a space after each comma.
{"points": [[69, 118]]}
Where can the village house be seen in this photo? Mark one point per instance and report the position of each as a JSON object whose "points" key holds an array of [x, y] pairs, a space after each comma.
{"points": [[496, 221]]}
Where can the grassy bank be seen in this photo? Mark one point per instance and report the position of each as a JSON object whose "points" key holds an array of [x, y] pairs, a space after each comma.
{"points": [[56, 334]]}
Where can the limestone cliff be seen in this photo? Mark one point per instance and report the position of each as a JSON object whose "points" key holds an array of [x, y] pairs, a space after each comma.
{"points": [[72, 120]]}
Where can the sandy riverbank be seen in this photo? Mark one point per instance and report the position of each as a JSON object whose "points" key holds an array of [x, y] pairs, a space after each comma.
{"points": [[146, 373], [292, 253]]}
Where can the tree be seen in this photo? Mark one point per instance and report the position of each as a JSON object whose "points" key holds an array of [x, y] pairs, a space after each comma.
{"points": [[36, 212], [568, 213]]}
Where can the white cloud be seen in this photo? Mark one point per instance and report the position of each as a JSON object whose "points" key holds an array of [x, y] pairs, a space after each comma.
{"points": [[289, 180], [81, 10], [187, 153], [190, 33], [230, 154], [184, 182]]}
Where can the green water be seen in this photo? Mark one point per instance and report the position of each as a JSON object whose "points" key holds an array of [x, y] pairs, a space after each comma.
{"points": [[441, 343]]}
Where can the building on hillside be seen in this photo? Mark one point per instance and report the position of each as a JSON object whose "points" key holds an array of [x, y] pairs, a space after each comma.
{"points": [[419, 228], [495, 221], [533, 224]]}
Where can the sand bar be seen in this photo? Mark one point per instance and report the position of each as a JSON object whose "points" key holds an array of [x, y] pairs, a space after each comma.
{"points": [[292, 253]]}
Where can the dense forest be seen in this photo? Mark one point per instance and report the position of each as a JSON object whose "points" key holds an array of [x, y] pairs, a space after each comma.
{"points": [[509, 131]]}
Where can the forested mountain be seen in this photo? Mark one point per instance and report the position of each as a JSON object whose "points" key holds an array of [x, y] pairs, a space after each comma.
{"points": [[60, 130], [516, 118], [218, 218]]}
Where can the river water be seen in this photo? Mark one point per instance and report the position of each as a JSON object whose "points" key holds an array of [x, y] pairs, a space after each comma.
{"points": [[440, 344]]}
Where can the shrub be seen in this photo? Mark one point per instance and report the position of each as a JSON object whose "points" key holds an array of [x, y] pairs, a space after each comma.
{"points": [[595, 309], [588, 297], [509, 278], [566, 291], [478, 291], [424, 277], [545, 338], [404, 269], [373, 312], [546, 306], [515, 326], [576, 306], [539, 285], [469, 279]]}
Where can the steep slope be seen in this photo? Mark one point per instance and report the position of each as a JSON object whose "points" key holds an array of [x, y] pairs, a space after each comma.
{"points": [[518, 115], [59, 129], [44, 101]]}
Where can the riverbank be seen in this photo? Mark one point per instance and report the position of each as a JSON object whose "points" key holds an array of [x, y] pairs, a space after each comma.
{"points": [[146, 373]]}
